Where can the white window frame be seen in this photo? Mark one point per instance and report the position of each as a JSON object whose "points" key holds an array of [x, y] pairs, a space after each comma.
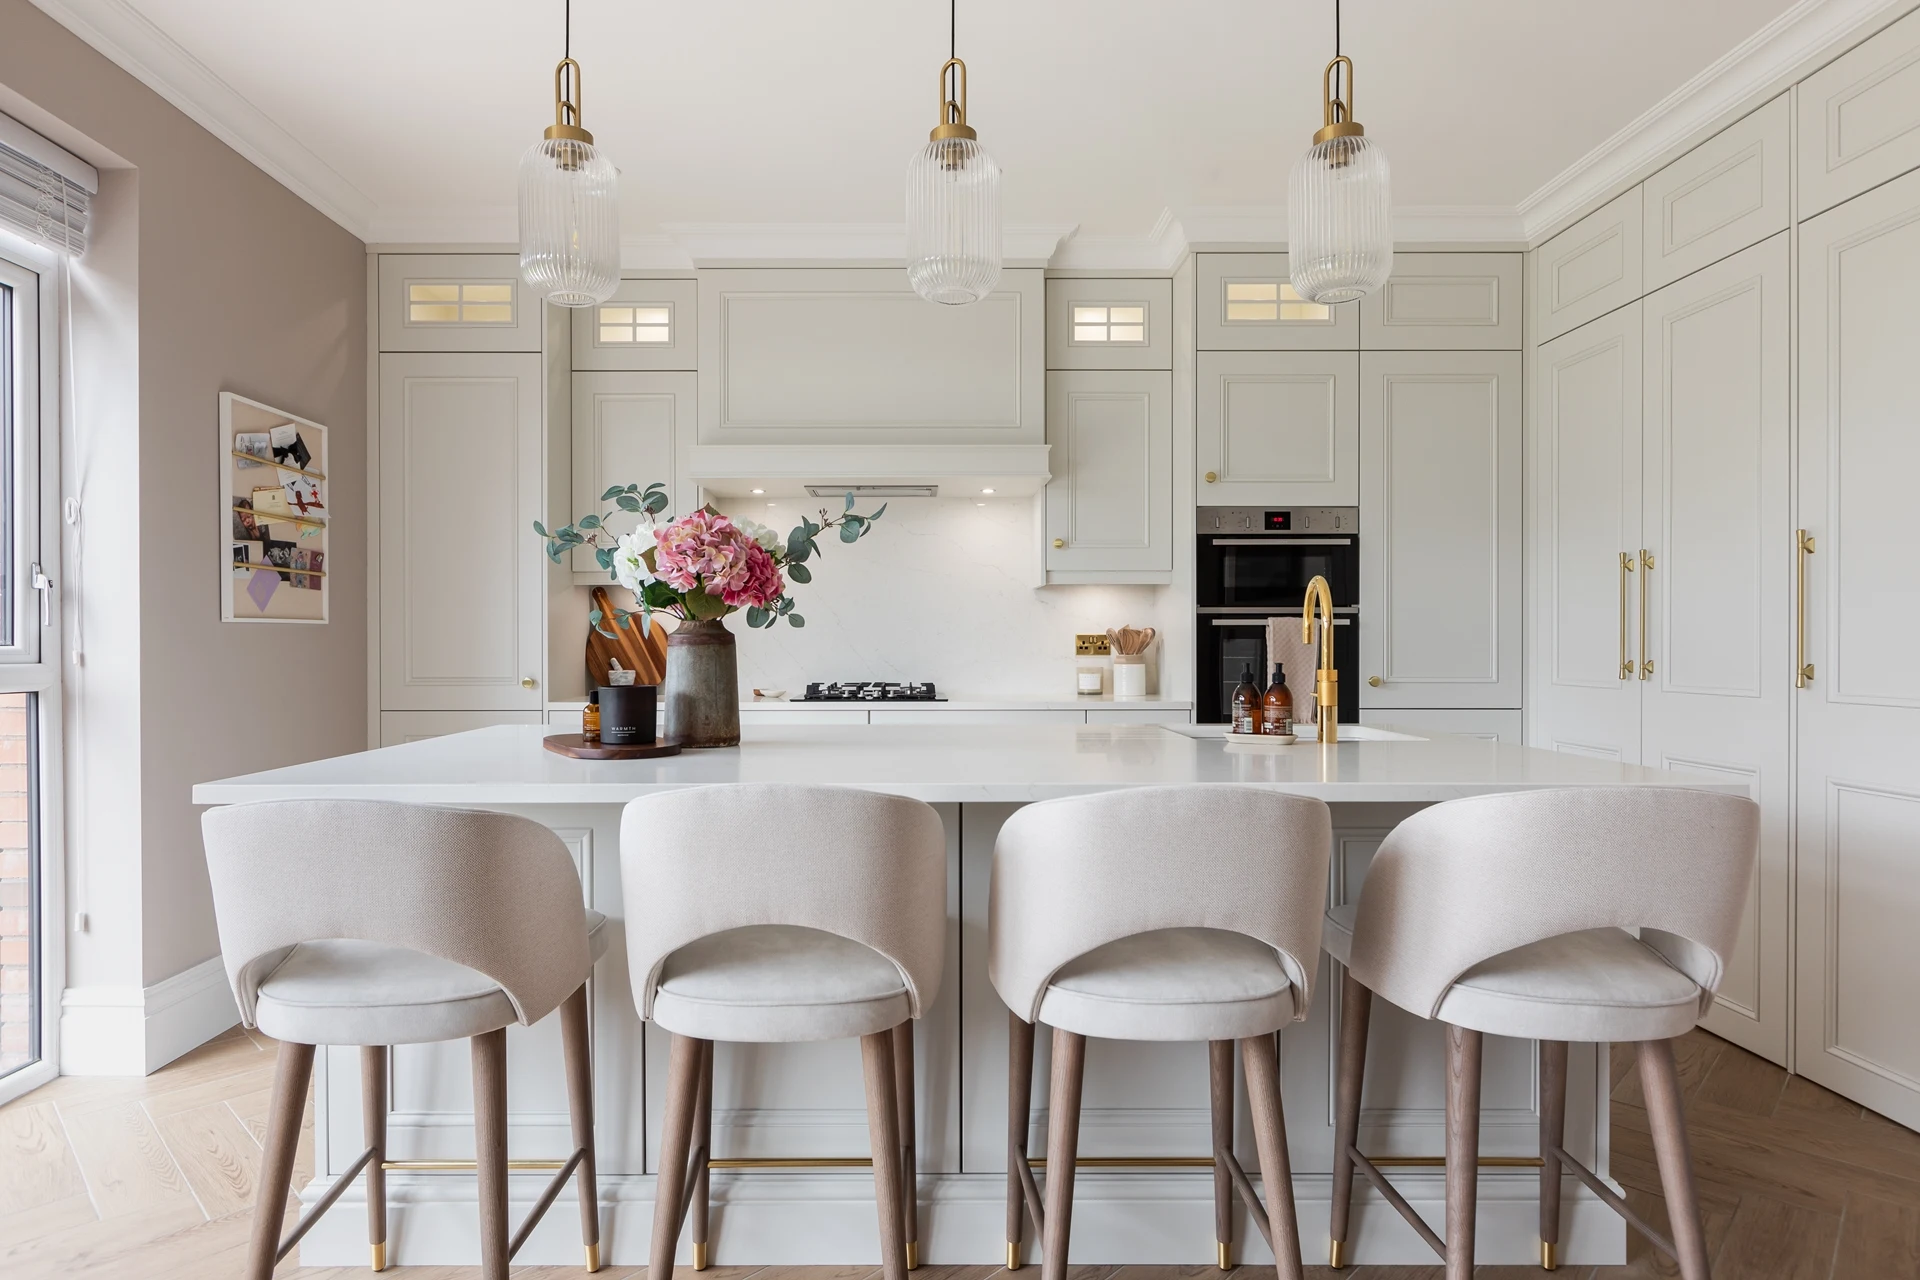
{"points": [[33, 663]]}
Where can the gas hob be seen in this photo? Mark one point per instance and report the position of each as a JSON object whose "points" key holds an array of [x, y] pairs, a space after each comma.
{"points": [[869, 691]]}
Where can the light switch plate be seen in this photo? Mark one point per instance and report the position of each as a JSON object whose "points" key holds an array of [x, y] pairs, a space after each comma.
{"points": [[1091, 646]]}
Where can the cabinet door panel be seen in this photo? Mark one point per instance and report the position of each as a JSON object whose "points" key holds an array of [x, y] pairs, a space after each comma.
{"points": [[629, 428], [1585, 504], [1247, 303], [1860, 118], [1858, 853], [1110, 502], [1279, 428], [1440, 529], [1719, 591], [460, 478], [646, 324], [1445, 301], [1725, 194], [456, 302], [1109, 324], [1590, 268]]}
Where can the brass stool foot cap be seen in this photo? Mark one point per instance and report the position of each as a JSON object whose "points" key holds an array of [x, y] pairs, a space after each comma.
{"points": [[380, 1256], [1333, 1254], [1547, 1262], [593, 1257], [1220, 1255], [913, 1255], [1013, 1255], [700, 1255]]}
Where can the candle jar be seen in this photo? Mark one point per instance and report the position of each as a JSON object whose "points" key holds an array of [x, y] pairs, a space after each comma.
{"points": [[1089, 680]]}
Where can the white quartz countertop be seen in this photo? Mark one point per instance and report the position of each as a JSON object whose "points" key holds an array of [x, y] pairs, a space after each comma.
{"points": [[939, 763], [963, 703]]}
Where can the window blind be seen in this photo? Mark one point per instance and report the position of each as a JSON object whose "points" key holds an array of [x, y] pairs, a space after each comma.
{"points": [[45, 192]]}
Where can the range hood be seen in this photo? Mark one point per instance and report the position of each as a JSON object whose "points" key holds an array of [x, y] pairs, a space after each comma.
{"points": [[795, 471]]}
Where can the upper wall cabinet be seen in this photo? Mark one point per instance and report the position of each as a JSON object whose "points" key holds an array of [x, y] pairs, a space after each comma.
{"points": [[1247, 303], [855, 356], [1110, 502], [1279, 428], [1109, 324], [646, 324], [456, 302], [1860, 118], [1445, 301], [1590, 268], [629, 428], [1725, 194]]}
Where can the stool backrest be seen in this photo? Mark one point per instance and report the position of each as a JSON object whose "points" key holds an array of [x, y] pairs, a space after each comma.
{"points": [[490, 891], [1467, 880], [859, 864], [1074, 874]]}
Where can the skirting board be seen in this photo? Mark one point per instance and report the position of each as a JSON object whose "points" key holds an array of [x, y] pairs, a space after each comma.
{"points": [[829, 1219], [134, 1031]]}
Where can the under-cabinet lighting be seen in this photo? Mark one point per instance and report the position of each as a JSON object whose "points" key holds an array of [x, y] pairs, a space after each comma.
{"points": [[756, 491]]}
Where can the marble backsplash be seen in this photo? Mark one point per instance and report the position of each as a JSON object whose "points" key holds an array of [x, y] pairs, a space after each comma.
{"points": [[942, 590]]}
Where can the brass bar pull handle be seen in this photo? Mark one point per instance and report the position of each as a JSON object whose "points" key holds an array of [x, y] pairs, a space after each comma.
{"points": [[1646, 572], [1626, 663], [1802, 669]]}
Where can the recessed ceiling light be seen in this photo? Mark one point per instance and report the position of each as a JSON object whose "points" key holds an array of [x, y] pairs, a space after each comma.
{"points": [[758, 491], [986, 491]]}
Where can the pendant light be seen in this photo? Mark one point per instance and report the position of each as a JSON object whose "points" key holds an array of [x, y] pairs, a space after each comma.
{"points": [[1339, 229], [953, 199], [569, 203]]}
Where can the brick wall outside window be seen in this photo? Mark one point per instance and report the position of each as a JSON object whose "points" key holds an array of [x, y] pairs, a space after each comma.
{"points": [[16, 916]]}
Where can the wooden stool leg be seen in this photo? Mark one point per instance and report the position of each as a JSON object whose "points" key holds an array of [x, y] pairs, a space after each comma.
{"points": [[1463, 1148], [1356, 1011], [1661, 1087], [292, 1071], [703, 1141], [909, 1153], [577, 1047], [1260, 1056], [373, 1127], [676, 1137], [1063, 1148], [1220, 1097], [883, 1133], [1019, 1120], [1553, 1133], [489, 1053]]}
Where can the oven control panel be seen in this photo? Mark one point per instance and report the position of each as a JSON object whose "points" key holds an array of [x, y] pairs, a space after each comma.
{"points": [[1278, 520]]}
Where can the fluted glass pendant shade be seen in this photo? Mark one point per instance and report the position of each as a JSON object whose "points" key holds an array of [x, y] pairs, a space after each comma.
{"points": [[953, 208], [569, 209], [1339, 226]]}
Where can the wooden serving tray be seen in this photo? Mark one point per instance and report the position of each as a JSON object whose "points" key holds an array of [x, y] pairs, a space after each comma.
{"points": [[1259, 741], [578, 747]]}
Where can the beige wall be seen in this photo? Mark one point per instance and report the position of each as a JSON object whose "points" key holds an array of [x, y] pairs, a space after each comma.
{"points": [[242, 287]]}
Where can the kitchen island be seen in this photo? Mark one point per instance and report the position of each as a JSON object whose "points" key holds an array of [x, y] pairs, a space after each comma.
{"points": [[805, 1101]]}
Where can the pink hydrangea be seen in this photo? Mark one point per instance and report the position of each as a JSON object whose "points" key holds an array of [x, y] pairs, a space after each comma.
{"points": [[708, 552]]}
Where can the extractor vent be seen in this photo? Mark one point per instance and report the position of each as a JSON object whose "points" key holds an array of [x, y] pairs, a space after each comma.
{"points": [[874, 490]]}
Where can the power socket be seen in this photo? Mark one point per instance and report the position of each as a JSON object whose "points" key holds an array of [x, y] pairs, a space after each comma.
{"points": [[1091, 645]]}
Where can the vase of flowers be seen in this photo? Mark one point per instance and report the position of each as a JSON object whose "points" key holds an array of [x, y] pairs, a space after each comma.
{"points": [[699, 569]]}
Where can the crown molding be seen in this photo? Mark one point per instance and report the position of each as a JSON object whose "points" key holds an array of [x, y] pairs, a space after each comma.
{"points": [[1265, 226], [1159, 251], [149, 55], [710, 244], [1787, 49]]}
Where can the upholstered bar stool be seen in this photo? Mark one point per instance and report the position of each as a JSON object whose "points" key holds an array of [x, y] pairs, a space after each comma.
{"points": [[1509, 915], [352, 922], [1157, 913], [770, 914]]}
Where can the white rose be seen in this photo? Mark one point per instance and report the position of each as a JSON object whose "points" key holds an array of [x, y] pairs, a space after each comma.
{"points": [[629, 558], [767, 538]]}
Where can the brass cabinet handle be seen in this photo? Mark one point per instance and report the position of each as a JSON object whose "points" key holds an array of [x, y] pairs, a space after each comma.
{"points": [[1646, 573], [1212, 476], [1626, 663], [1374, 681], [1802, 669], [1059, 542], [528, 682]]}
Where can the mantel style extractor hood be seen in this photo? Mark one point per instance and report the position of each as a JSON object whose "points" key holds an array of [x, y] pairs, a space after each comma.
{"points": [[800, 471]]}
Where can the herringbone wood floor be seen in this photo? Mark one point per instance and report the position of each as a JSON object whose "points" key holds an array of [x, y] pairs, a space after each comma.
{"points": [[153, 1179]]}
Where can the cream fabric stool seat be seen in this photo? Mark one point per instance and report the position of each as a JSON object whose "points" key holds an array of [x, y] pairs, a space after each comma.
{"points": [[1549, 958], [1157, 913], [350, 922], [767, 913]]}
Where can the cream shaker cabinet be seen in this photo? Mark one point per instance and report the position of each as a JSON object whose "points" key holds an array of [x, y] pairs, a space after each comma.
{"points": [[1110, 502], [1279, 428], [1725, 194], [1860, 118], [629, 428], [646, 324], [1440, 520], [462, 576], [1247, 303], [1590, 268], [1859, 705], [1110, 324], [456, 302], [1445, 302]]}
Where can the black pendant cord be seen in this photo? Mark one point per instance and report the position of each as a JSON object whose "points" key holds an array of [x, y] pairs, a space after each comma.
{"points": [[953, 50], [566, 40], [1336, 27]]}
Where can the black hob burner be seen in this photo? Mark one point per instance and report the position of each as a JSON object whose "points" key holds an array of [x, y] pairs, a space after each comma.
{"points": [[869, 691]]}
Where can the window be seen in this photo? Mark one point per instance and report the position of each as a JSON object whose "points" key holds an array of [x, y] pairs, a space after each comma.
{"points": [[459, 302], [625, 326], [1268, 302], [1109, 325]]}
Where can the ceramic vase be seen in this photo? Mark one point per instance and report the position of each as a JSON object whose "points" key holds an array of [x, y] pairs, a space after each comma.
{"points": [[702, 688]]}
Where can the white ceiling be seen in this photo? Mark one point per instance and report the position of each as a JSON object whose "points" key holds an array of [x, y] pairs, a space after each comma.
{"points": [[406, 118]]}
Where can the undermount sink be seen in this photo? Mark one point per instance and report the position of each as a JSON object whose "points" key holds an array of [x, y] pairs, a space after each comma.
{"points": [[1348, 732]]}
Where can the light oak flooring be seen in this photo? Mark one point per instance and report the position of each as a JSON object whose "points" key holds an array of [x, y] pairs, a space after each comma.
{"points": [[152, 1179]]}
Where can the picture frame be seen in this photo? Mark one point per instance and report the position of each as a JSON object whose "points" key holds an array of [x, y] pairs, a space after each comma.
{"points": [[274, 519]]}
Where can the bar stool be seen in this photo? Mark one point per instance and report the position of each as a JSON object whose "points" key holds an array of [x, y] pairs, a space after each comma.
{"points": [[1508, 915], [353, 922], [771, 913], [1157, 913]]}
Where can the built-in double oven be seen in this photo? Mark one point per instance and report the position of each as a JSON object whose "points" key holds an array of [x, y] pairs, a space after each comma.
{"points": [[1254, 564]]}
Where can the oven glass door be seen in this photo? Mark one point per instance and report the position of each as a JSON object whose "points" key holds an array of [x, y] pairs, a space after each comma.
{"points": [[1270, 571], [1230, 646]]}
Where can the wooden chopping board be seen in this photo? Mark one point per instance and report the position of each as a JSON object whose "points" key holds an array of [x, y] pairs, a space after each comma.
{"points": [[646, 655]]}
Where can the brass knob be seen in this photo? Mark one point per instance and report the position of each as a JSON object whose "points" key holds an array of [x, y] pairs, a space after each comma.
{"points": [[1212, 476], [528, 682], [1374, 681], [1059, 542]]}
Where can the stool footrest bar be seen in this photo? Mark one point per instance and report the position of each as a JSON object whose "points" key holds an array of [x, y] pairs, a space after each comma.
{"points": [[1615, 1202], [334, 1192], [545, 1201], [1398, 1201], [1255, 1210], [1030, 1193]]}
